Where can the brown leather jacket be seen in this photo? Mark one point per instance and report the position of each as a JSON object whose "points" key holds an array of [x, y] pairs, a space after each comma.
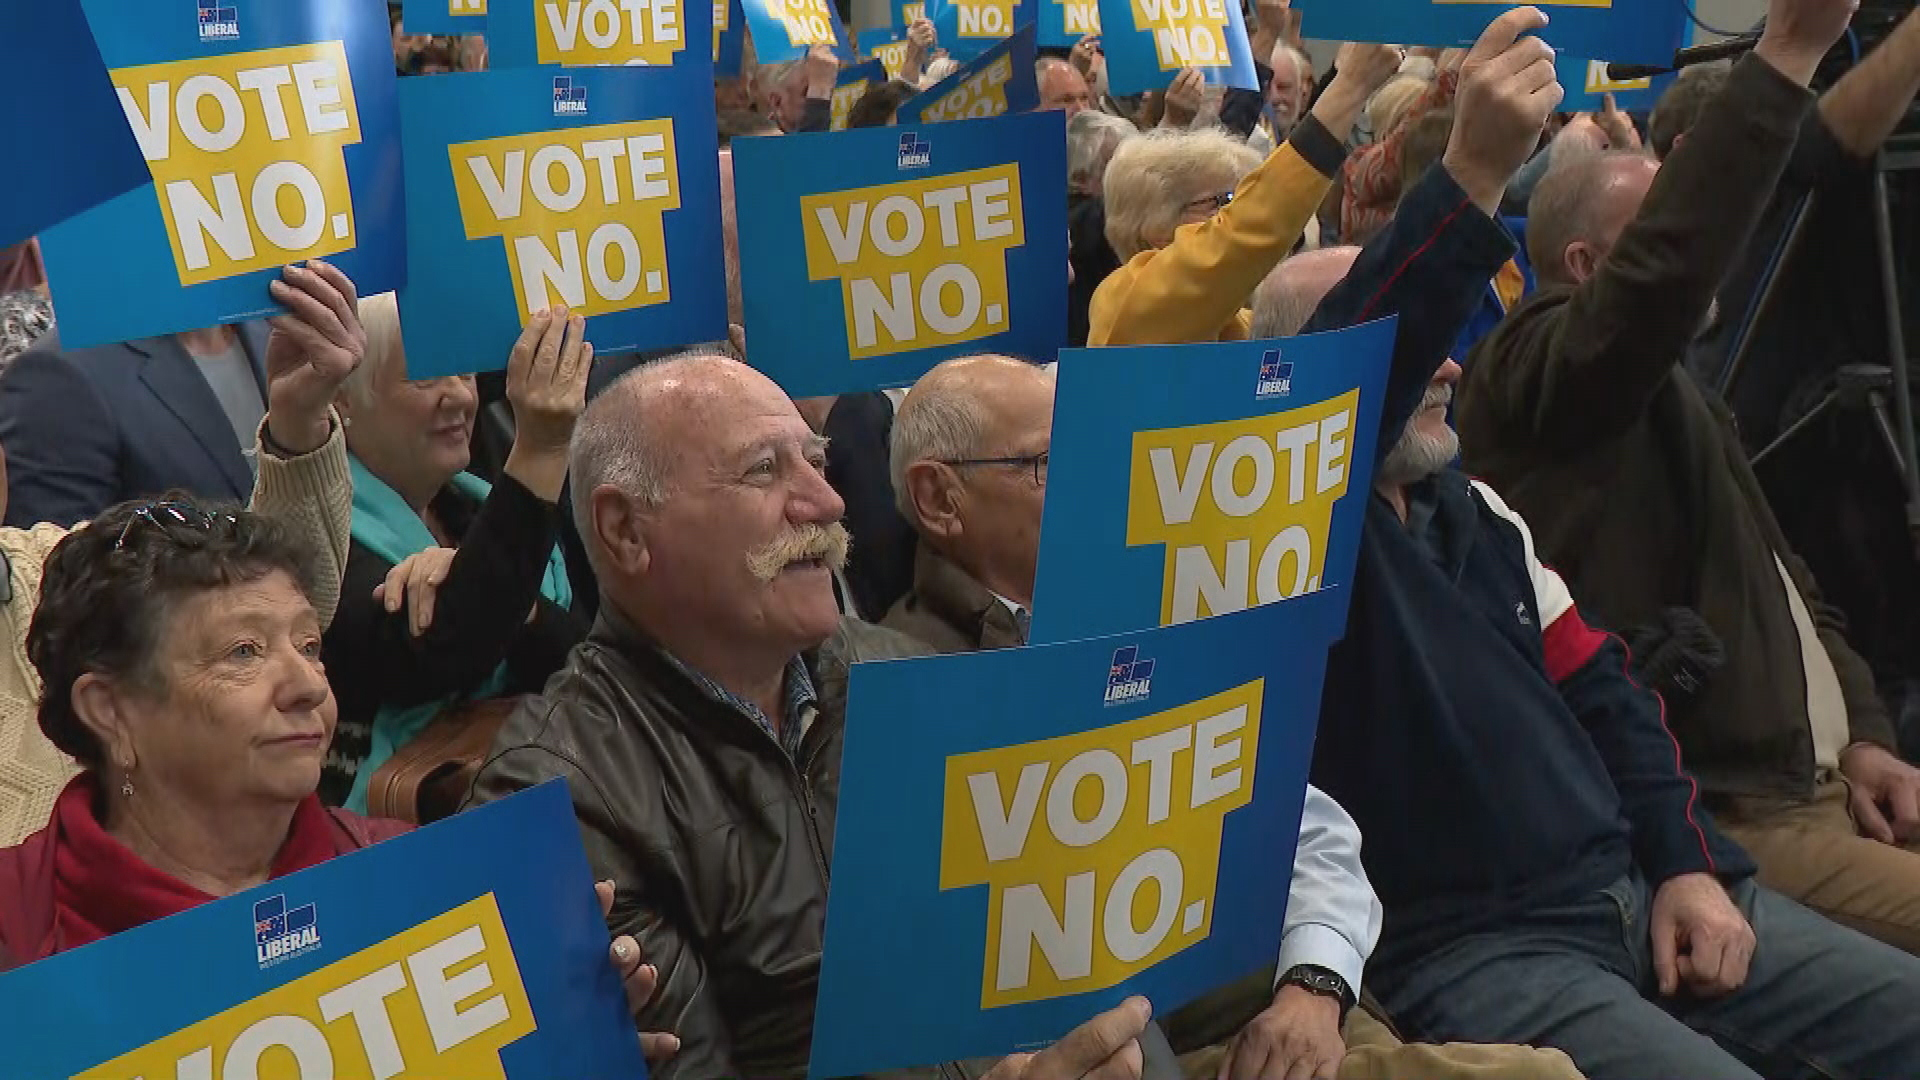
{"points": [[718, 844]]}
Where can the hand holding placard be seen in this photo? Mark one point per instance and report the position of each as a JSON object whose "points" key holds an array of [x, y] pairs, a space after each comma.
{"points": [[547, 385], [1106, 1047], [1359, 69], [310, 353], [1507, 90]]}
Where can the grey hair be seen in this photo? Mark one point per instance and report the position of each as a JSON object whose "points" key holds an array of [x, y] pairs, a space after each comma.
{"points": [[1092, 137], [1566, 207], [1280, 308], [380, 316], [1150, 179], [611, 446], [935, 423], [770, 77]]}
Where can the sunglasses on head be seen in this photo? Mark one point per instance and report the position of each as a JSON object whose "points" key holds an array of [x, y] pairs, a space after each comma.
{"points": [[170, 513]]}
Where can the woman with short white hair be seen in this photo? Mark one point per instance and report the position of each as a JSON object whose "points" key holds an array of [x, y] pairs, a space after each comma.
{"points": [[1198, 219]]}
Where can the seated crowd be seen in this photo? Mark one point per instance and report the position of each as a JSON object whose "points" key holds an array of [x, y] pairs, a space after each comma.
{"points": [[1576, 861]]}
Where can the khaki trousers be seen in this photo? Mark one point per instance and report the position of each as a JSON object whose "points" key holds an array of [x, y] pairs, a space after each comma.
{"points": [[1813, 853], [1373, 1053]]}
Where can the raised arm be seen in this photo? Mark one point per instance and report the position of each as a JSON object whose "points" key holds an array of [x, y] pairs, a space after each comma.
{"points": [[304, 481], [1587, 371], [1431, 264], [1200, 281], [495, 576]]}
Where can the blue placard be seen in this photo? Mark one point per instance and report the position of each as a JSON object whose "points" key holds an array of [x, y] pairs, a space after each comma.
{"points": [[851, 86], [1147, 42], [473, 947], [729, 37], [445, 17], [1241, 481], [596, 188], [1586, 83], [46, 49], [1061, 826], [998, 81], [290, 150], [967, 28], [784, 30], [583, 33], [869, 256], [1628, 31], [1064, 22], [906, 12], [887, 45]]}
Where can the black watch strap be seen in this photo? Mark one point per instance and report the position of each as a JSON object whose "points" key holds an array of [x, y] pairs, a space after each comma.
{"points": [[1318, 980]]}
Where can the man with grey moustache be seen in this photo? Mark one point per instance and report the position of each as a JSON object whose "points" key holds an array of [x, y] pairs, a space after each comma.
{"points": [[699, 726]]}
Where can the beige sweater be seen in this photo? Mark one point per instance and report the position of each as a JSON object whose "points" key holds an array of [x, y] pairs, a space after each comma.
{"points": [[312, 493]]}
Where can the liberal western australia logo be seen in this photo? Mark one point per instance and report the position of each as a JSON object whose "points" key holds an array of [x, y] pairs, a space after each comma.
{"points": [[279, 934], [218, 23], [915, 152], [1276, 377], [1129, 678], [569, 99]]}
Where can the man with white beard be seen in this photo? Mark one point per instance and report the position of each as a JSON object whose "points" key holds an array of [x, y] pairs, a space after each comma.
{"points": [[1548, 874]]}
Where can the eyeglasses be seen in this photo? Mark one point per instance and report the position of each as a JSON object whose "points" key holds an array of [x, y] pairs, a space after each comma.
{"points": [[1213, 203], [1036, 462], [169, 513]]}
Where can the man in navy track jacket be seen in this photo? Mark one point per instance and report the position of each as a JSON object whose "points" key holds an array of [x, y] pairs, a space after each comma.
{"points": [[1548, 874]]}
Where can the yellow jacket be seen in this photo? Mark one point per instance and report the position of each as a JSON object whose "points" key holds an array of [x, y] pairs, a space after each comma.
{"points": [[1196, 288], [311, 494]]}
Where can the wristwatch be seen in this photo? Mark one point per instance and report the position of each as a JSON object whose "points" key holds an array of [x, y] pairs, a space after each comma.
{"points": [[1318, 980]]}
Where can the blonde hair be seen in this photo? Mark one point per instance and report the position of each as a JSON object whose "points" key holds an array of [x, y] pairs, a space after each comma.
{"points": [[1153, 177], [380, 315], [1391, 102]]}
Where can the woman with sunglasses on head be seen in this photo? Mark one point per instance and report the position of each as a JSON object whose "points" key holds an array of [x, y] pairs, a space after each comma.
{"points": [[302, 482], [181, 657], [1198, 219]]}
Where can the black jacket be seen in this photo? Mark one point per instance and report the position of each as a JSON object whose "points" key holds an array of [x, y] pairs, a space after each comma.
{"points": [[719, 844], [1578, 410]]}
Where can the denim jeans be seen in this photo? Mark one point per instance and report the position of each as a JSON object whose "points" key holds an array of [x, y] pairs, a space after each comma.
{"points": [[1820, 1000]]}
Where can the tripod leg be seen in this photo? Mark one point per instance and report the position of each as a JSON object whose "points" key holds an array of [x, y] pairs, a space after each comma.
{"points": [[1896, 347]]}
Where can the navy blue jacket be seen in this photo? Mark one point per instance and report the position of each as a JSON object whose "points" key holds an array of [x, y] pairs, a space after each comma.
{"points": [[1489, 743], [85, 429]]}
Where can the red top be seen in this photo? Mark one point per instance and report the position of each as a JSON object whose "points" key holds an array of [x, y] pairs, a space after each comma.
{"points": [[72, 883]]}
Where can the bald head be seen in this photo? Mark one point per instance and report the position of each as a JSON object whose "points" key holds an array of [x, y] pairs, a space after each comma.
{"points": [[968, 466], [1577, 211], [958, 408], [1062, 87], [1287, 298]]}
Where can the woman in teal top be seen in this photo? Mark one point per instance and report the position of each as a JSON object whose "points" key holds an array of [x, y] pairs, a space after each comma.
{"points": [[502, 617]]}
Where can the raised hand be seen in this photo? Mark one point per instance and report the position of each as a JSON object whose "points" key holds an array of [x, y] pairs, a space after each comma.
{"points": [[1359, 69], [1507, 90], [1799, 33], [310, 352], [1184, 98], [547, 386]]}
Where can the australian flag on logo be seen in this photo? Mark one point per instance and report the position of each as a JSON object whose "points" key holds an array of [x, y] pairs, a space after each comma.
{"points": [[1276, 377], [1129, 678], [218, 23], [568, 98], [272, 920], [915, 152]]}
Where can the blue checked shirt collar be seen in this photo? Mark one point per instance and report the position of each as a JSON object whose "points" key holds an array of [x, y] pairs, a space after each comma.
{"points": [[800, 702]]}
